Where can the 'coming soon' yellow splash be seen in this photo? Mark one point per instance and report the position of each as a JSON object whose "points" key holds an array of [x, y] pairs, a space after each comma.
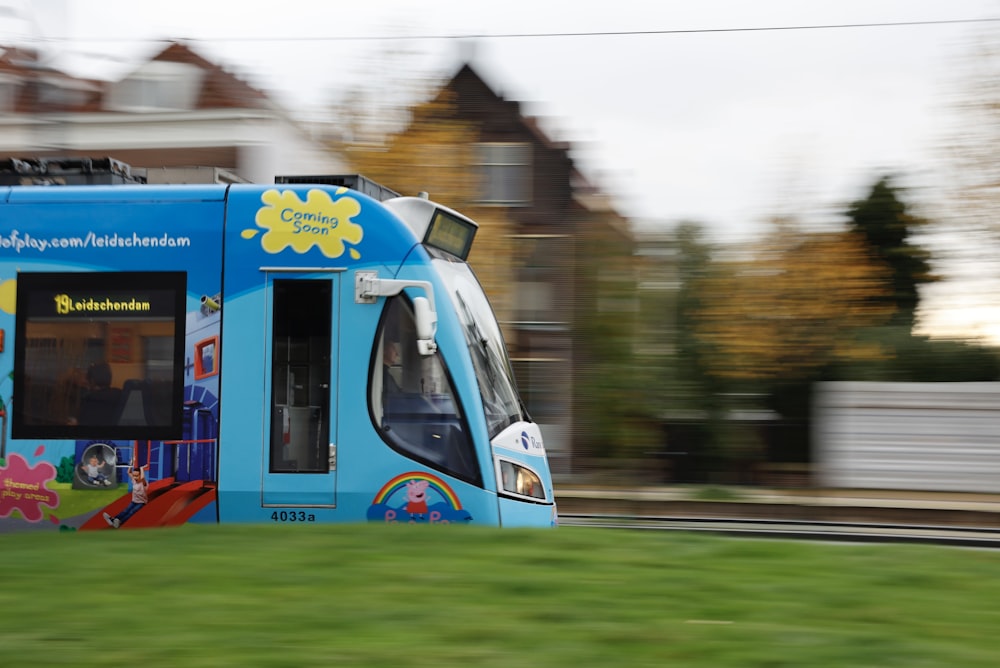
{"points": [[319, 221]]}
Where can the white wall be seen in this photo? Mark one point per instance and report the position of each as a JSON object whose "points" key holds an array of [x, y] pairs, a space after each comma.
{"points": [[911, 436]]}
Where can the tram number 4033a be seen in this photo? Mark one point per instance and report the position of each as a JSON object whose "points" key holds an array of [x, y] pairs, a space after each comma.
{"points": [[292, 516]]}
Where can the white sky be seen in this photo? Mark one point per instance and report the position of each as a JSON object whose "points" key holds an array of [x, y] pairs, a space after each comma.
{"points": [[724, 128]]}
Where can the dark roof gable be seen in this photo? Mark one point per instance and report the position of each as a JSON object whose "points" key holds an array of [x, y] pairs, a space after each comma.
{"points": [[220, 89], [40, 87], [496, 116]]}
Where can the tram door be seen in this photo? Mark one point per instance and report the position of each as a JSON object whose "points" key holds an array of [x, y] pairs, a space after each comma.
{"points": [[299, 467]]}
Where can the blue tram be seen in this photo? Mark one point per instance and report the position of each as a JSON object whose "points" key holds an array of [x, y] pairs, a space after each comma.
{"points": [[265, 354]]}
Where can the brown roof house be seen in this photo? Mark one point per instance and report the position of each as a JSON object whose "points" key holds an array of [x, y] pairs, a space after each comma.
{"points": [[175, 110], [552, 253]]}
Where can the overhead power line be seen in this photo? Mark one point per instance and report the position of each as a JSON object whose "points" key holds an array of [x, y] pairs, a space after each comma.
{"points": [[530, 35]]}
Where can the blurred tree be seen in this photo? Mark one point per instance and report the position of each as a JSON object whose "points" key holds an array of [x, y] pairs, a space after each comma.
{"points": [[704, 445], [582, 335], [923, 360], [969, 239], [971, 147], [432, 154], [883, 221], [769, 322], [695, 255], [378, 102], [612, 390], [671, 359], [792, 307], [402, 130]]}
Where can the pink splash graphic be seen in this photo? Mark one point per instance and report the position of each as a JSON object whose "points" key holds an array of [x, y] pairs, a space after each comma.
{"points": [[39, 450], [22, 487]]}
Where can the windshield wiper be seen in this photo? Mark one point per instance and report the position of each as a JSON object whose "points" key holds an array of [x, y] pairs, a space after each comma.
{"points": [[473, 333], [491, 371]]}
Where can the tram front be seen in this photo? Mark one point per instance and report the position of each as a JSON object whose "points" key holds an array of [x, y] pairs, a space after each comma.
{"points": [[518, 468], [521, 472]]}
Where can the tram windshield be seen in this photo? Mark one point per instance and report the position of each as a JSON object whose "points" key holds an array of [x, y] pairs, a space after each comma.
{"points": [[494, 372]]}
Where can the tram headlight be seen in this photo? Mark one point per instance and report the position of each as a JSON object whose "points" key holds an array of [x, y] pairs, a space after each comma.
{"points": [[519, 480]]}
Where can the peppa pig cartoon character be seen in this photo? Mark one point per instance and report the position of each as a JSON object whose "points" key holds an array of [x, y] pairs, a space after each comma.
{"points": [[416, 498]]}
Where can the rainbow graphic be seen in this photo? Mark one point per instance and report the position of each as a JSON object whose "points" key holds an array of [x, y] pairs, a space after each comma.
{"points": [[417, 497]]}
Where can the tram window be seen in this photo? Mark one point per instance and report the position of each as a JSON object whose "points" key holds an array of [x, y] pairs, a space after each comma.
{"points": [[300, 388], [413, 402], [99, 355]]}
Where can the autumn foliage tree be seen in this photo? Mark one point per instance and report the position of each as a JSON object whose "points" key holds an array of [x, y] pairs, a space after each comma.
{"points": [[433, 154], [771, 321], [793, 306]]}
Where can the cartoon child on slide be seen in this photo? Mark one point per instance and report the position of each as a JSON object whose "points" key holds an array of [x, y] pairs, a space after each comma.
{"points": [[140, 498]]}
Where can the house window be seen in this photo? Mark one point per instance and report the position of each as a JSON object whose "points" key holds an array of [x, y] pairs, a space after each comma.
{"points": [[505, 173], [540, 283], [8, 94], [158, 85], [534, 301], [60, 95]]}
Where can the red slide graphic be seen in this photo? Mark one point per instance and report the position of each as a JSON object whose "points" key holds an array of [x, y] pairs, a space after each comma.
{"points": [[170, 504]]}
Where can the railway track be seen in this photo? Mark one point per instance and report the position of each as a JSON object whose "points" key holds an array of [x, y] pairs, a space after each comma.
{"points": [[864, 532]]}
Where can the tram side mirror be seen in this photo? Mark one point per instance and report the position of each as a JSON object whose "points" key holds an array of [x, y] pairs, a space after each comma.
{"points": [[426, 322]]}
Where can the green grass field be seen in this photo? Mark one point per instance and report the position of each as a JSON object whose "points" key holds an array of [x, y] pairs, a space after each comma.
{"points": [[375, 595]]}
